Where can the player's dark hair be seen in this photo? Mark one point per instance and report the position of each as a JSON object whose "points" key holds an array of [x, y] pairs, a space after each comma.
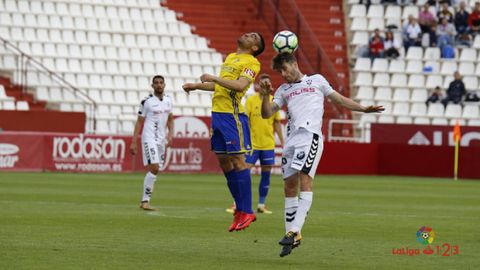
{"points": [[281, 58], [263, 76], [261, 46], [158, 77]]}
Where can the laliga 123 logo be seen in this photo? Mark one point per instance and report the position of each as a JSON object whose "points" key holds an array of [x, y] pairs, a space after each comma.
{"points": [[425, 235]]}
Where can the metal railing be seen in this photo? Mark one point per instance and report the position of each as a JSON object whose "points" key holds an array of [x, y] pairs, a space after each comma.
{"points": [[313, 56], [286, 15], [361, 133], [25, 65]]}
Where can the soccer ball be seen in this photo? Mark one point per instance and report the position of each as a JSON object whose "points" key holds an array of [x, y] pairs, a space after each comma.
{"points": [[285, 41]]}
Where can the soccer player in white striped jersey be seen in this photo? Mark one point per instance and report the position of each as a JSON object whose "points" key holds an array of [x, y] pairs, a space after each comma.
{"points": [[155, 115], [303, 96]]}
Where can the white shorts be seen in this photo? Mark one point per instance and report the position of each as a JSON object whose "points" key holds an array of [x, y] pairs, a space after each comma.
{"points": [[153, 153], [301, 153]]}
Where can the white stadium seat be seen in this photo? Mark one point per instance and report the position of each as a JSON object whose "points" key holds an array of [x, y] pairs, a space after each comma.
{"points": [[380, 65], [419, 95], [401, 95], [362, 64], [435, 110], [471, 111], [453, 111], [364, 92], [397, 66], [383, 93]]}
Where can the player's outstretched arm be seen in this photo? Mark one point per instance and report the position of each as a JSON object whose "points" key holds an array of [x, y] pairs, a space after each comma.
{"points": [[236, 85], [136, 130], [207, 86], [352, 105]]}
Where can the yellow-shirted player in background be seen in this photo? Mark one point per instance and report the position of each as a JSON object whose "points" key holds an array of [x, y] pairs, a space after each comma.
{"points": [[230, 136], [262, 133]]}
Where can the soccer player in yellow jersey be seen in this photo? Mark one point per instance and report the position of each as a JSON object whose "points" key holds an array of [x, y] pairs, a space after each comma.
{"points": [[230, 134]]}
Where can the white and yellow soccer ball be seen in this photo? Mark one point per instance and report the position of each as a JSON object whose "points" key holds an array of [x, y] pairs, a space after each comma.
{"points": [[285, 41]]}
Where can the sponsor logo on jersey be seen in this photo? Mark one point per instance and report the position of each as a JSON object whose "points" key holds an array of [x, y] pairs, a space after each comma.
{"points": [[301, 155], [300, 92], [249, 72]]}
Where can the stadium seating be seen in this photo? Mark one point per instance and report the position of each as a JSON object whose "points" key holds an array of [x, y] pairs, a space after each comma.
{"points": [[402, 85], [110, 50]]}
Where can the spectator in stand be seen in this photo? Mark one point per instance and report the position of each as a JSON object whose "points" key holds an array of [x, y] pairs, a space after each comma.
{"points": [[412, 33], [376, 47], [461, 19], [391, 46], [474, 19], [456, 90], [426, 19], [446, 34], [445, 13], [436, 96]]}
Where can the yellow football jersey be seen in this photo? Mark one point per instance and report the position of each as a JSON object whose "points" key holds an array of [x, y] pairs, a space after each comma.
{"points": [[261, 130], [234, 67]]}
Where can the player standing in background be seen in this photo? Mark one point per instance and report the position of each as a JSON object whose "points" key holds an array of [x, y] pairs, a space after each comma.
{"points": [[304, 96], [263, 143], [155, 115], [230, 136]]}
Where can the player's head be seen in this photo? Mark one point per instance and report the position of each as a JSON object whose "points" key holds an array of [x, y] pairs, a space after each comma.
{"points": [[252, 41], [286, 64], [158, 84]]}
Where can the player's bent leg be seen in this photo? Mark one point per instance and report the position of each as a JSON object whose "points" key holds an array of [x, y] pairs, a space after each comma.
{"points": [[148, 186]]}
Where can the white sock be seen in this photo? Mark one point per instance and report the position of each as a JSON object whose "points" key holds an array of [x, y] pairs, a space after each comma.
{"points": [[148, 183], [304, 204], [291, 205]]}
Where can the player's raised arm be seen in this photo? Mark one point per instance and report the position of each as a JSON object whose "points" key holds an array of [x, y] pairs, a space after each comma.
{"points": [[268, 108], [207, 86], [238, 85], [352, 105]]}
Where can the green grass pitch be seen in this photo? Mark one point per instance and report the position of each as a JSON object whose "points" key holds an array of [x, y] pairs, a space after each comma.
{"points": [[92, 221]]}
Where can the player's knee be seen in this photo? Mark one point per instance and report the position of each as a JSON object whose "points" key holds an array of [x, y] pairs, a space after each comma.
{"points": [[239, 163], [154, 169], [266, 168], [225, 163], [290, 187], [290, 191]]}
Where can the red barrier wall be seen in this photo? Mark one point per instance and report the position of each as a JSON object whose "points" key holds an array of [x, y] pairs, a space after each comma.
{"points": [[42, 121], [29, 151], [20, 151]]}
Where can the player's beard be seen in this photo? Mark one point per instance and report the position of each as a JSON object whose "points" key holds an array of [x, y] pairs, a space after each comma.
{"points": [[159, 92], [241, 43]]}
